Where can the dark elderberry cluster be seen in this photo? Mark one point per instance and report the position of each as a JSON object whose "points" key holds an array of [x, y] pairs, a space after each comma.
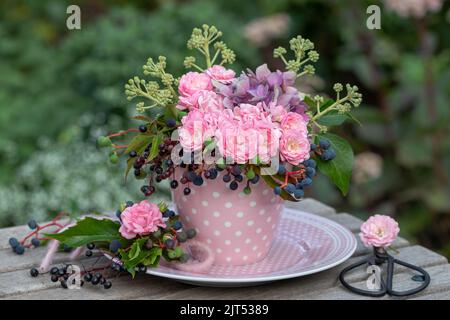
{"points": [[97, 278], [300, 179], [324, 150], [159, 168]]}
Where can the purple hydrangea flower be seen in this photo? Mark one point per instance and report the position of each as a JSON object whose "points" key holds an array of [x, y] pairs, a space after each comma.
{"points": [[264, 86]]}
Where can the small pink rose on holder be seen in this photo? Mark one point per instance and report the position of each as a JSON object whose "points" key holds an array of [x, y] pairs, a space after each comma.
{"points": [[379, 231], [141, 218]]}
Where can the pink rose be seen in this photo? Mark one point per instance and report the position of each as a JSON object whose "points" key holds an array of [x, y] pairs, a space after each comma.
{"points": [[194, 130], [294, 121], [209, 101], [277, 112], [190, 85], [268, 143], [294, 146], [234, 140], [379, 231], [140, 219], [221, 74]]}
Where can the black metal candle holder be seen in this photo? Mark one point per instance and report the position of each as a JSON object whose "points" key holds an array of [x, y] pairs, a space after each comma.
{"points": [[380, 257]]}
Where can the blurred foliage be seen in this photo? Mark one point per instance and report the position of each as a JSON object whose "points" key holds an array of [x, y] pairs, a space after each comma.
{"points": [[52, 78]]}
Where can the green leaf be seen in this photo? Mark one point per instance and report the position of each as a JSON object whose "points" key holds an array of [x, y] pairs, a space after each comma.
{"points": [[155, 147], [339, 170], [89, 230], [332, 119], [138, 143]]}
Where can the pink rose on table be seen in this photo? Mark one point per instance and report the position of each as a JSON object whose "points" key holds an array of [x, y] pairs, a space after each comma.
{"points": [[140, 219], [194, 130], [221, 74], [379, 231], [294, 146]]}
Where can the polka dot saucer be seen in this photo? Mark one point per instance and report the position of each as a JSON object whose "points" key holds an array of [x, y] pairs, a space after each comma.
{"points": [[304, 244]]}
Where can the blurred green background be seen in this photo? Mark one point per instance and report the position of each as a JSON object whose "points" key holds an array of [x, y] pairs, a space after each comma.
{"points": [[60, 89]]}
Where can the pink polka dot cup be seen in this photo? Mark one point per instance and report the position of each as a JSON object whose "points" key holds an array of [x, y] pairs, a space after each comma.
{"points": [[238, 228]]}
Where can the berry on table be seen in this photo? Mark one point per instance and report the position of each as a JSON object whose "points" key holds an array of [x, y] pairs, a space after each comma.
{"points": [[90, 246], [54, 270], [32, 224], [107, 285], [54, 278], [13, 242], [88, 277], [35, 242], [19, 249], [34, 272], [95, 280], [88, 253]]}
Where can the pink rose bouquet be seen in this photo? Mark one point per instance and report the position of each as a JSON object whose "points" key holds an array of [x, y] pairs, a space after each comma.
{"points": [[246, 119]]}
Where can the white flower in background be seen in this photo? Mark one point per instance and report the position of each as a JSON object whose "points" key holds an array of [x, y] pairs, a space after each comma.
{"points": [[262, 31], [368, 166], [413, 8]]}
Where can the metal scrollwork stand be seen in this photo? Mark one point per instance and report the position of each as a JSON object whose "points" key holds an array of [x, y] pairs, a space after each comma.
{"points": [[380, 257]]}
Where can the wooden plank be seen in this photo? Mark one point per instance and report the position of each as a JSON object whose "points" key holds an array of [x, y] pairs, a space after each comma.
{"points": [[301, 287], [148, 287], [440, 281], [9, 261], [312, 206], [351, 222]]}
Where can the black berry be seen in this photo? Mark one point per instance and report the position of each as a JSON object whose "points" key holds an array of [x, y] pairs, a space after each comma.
{"points": [[34, 272]]}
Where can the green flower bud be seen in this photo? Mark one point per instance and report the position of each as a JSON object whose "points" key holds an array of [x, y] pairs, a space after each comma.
{"points": [[103, 141], [114, 158]]}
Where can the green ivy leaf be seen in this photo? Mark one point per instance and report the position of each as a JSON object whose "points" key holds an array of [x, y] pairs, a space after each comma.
{"points": [[155, 147], [332, 119], [138, 143], [339, 170], [89, 230]]}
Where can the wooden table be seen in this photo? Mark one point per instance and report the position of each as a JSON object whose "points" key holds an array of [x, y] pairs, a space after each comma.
{"points": [[16, 283]]}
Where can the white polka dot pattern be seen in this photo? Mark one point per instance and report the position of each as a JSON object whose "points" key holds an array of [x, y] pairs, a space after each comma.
{"points": [[231, 219]]}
